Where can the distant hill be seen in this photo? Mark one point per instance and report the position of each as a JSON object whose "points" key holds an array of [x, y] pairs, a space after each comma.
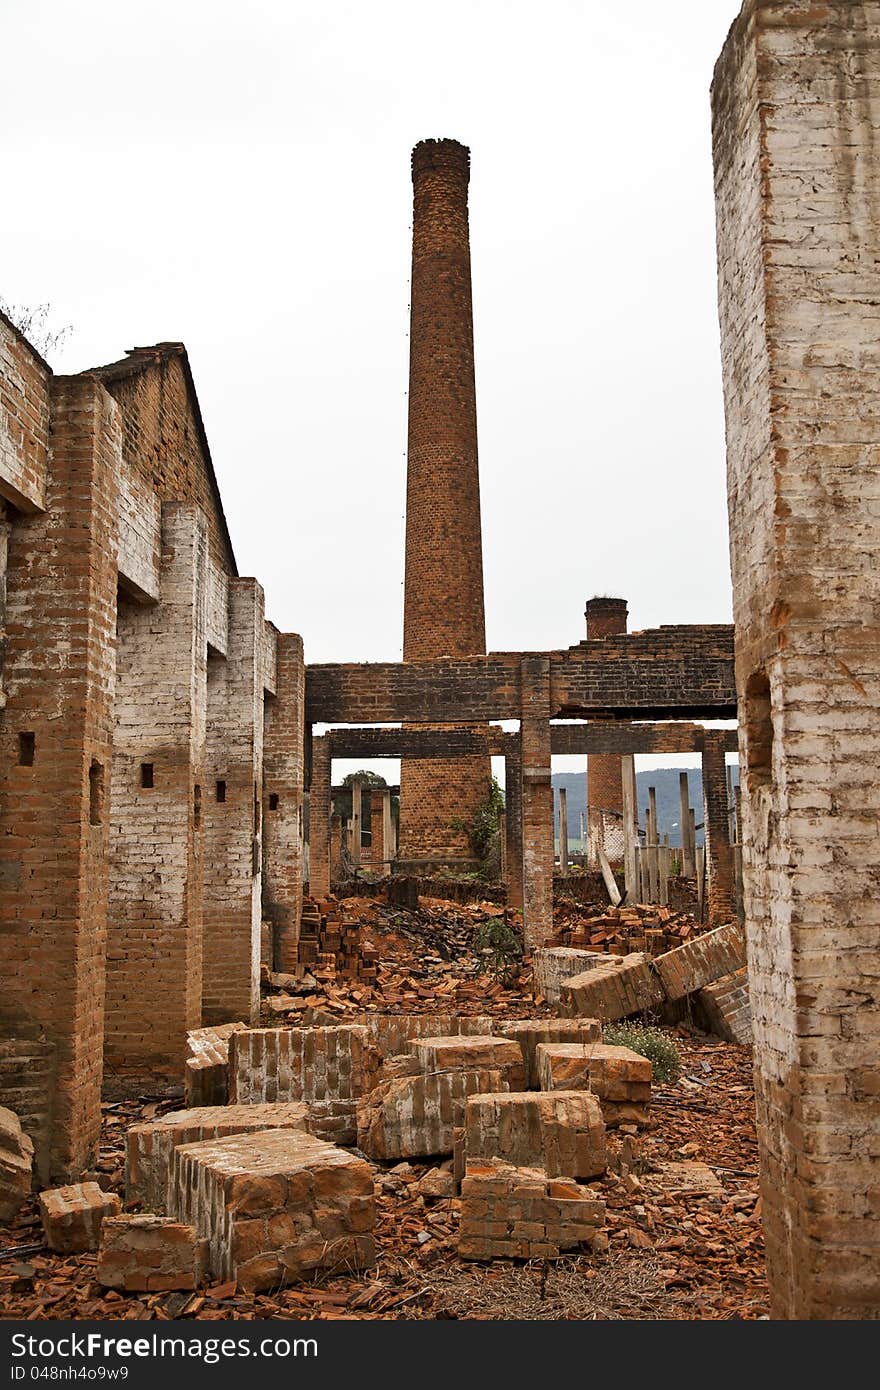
{"points": [[664, 779]]}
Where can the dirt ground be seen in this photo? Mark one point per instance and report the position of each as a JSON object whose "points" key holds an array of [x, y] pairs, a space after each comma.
{"points": [[674, 1252]]}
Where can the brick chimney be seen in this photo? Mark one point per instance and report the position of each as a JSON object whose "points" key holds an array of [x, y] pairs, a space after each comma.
{"points": [[606, 617], [443, 589]]}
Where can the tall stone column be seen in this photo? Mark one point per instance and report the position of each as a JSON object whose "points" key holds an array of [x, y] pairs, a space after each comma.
{"points": [[797, 189], [537, 801], [606, 617], [720, 866], [443, 586]]}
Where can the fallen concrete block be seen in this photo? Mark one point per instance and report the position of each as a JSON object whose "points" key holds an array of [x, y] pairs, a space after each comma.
{"points": [[390, 1033], [206, 1069], [415, 1116], [562, 1132], [727, 1007], [16, 1165], [702, 960], [520, 1213], [150, 1145], [613, 988], [472, 1054], [553, 965], [144, 1253], [529, 1032], [328, 1068], [276, 1206], [72, 1216], [617, 1076]]}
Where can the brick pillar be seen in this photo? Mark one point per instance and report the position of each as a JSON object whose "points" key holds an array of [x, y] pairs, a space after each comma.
{"points": [[606, 617], [563, 832], [443, 587], [388, 827], [319, 819], [233, 813], [154, 940], [55, 746], [283, 790], [537, 800], [720, 866], [797, 186], [357, 821], [378, 855], [336, 837], [513, 825]]}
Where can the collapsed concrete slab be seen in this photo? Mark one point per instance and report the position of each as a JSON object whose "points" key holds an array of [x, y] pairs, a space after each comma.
{"points": [[617, 1076], [150, 1145], [529, 1032], [561, 1132], [72, 1216], [276, 1206], [328, 1068], [520, 1213], [16, 1165]]}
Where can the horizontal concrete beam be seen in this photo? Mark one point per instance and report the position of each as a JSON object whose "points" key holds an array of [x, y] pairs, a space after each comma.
{"points": [[663, 673]]}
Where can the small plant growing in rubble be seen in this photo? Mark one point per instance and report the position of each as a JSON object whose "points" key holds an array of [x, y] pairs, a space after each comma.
{"points": [[499, 949], [648, 1042]]}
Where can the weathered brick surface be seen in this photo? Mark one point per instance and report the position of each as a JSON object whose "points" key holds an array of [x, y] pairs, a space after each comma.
{"points": [[27, 1087], [16, 1165], [537, 800], [24, 419], [276, 1206], [796, 184], [55, 757], [443, 584], [720, 867], [328, 1068], [471, 1053], [414, 1116], [726, 1006], [144, 1253], [529, 1032], [391, 1033], [701, 960], [520, 1213], [562, 1132], [72, 1216], [154, 949], [150, 1145], [283, 781], [553, 965], [606, 617], [319, 819], [206, 1070], [232, 798], [619, 1077], [614, 987]]}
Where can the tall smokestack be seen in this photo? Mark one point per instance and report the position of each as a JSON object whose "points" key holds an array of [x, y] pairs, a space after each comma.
{"points": [[443, 590]]}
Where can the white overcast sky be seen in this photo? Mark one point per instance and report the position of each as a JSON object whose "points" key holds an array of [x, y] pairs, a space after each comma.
{"points": [[237, 177]]}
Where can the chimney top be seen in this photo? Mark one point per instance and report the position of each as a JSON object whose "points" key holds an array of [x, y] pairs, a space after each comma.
{"points": [[441, 154]]}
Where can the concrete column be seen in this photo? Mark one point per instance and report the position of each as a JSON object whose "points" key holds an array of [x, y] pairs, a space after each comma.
{"points": [[688, 867], [563, 832], [513, 819], [721, 870], [283, 794], [233, 814], [357, 821], [55, 751], [537, 800], [154, 942], [319, 819]]}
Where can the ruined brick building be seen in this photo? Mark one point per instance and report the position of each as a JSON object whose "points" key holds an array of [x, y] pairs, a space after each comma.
{"points": [[156, 735]]}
